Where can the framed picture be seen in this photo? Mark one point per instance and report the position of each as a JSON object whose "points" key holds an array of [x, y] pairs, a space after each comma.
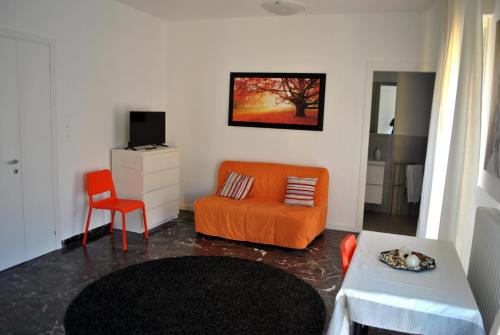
{"points": [[277, 100]]}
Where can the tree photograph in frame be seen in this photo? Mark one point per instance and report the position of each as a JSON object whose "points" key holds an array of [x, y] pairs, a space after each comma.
{"points": [[492, 156], [277, 100]]}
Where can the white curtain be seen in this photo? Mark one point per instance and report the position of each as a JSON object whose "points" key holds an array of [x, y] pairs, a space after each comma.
{"points": [[443, 110], [447, 212]]}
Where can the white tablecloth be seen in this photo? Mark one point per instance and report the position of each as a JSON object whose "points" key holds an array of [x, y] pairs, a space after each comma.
{"points": [[435, 302]]}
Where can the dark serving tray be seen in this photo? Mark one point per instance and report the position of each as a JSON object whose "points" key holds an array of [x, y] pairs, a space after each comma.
{"points": [[392, 259]]}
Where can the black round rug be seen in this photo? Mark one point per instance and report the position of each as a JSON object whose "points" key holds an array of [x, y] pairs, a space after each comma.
{"points": [[197, 295]]}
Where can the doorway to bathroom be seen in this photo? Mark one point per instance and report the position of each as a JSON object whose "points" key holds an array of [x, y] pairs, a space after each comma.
{"points": [[399, 125]]}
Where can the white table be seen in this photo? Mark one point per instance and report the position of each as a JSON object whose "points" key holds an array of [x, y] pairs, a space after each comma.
{"points": [[437, 301]]}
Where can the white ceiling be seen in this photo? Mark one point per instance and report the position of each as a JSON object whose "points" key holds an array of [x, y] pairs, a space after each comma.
{"points": [[212, 9]]}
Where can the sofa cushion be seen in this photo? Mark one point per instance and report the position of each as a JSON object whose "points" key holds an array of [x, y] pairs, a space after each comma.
{"points": [[236, 186], [300, 191]]}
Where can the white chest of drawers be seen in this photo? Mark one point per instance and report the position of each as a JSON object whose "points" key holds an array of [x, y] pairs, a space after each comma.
{"points": [[151, 176]]}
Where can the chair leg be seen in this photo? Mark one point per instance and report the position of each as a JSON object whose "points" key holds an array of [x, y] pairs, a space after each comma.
{"points": [[145, 221], [124, 232], [87, 228], [112, 221]]}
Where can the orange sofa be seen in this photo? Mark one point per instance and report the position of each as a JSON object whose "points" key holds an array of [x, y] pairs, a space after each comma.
{"points": [[262, 217]]}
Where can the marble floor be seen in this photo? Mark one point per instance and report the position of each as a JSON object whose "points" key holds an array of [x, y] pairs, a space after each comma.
{"points": [[35, 295]]}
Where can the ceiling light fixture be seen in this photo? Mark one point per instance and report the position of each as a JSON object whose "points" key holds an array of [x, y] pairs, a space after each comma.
{"points": [[284, 7]]}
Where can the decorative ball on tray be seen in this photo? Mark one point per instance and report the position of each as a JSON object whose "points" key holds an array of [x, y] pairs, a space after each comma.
{"points": [[405, 259]]}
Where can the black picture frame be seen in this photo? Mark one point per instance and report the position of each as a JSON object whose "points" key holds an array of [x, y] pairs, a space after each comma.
{"points": [[275, 75]]}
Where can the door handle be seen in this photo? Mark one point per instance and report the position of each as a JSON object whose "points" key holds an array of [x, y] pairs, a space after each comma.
{"points": [[12, 162]]}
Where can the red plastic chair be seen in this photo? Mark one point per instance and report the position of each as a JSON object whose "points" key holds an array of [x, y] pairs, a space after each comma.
{"points": [[347, 247], [100, 182]]}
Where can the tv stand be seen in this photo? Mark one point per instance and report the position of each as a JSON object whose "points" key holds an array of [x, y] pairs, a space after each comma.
{"points": [[162, 145], [151, 176], [131, 148]]}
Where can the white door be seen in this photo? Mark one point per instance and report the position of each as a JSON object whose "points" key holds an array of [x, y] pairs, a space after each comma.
{"points": [[12, 243], [36, 147], [26, 152]]}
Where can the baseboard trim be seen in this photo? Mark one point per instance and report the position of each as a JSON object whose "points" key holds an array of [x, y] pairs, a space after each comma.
{"points": [[98, 232], [343, 228], [187, 207], [94, 234]]}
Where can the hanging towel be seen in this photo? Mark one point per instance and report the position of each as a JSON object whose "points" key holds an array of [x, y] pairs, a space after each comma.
{"points": [[414, 178]]}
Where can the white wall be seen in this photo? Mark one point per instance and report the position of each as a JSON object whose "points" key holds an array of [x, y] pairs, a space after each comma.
{"points": [[110, 58], [201, 54], [434, 32]]}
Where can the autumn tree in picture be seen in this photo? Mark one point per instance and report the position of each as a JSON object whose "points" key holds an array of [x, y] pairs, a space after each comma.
{"points": [[287, 100]]}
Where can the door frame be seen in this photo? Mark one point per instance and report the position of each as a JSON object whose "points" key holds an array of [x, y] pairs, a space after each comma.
{"points": [[372, 67], [53, 115]]}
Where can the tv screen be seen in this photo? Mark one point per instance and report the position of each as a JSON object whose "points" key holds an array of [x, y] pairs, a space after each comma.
{"points": [[147, 128]]}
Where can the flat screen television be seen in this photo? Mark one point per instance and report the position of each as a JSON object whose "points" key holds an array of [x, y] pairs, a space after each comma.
{"points": [[147, 128]]}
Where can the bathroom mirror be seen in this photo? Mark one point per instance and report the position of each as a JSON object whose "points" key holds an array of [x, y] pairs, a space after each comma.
{"points": [[383, 107]]}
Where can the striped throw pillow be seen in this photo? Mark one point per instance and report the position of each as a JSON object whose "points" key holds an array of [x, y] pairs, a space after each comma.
{"points": [[300, 191], [236, 186]]}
